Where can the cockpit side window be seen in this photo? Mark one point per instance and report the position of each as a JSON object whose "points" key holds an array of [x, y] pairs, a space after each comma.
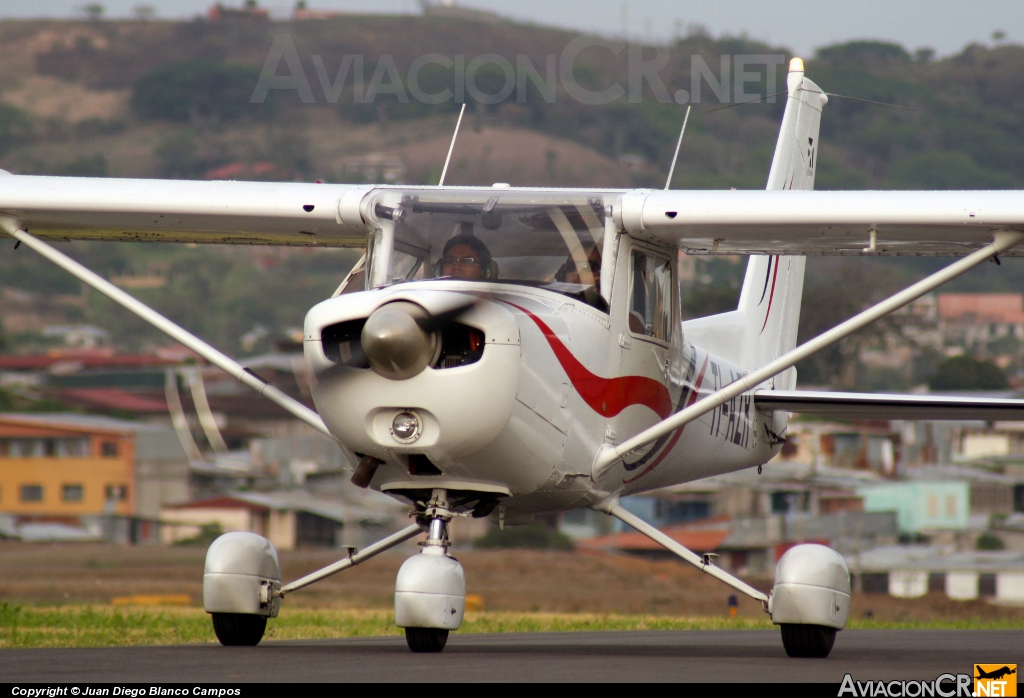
{"points": [[650, 302], [406, 265]]}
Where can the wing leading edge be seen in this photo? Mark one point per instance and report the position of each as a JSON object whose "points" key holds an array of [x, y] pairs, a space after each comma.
{"points": [[884, 406]]}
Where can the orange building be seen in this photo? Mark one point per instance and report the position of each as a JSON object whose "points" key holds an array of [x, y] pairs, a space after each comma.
{"points": [[66, 467]]}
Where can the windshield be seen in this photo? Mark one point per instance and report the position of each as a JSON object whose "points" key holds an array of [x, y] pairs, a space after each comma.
{"points": [[552, 241]]}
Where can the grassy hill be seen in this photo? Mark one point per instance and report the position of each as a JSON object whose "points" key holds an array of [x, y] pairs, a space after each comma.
{"points": [[72, 104], [170, 99]]}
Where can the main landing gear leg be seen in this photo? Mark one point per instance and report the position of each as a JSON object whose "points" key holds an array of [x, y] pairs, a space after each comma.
{"points": [[702, 563], [430, 592], [810, 599]]}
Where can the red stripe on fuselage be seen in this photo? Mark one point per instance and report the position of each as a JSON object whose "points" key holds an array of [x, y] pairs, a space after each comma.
{"points": [[606, 396], [679, 432]]}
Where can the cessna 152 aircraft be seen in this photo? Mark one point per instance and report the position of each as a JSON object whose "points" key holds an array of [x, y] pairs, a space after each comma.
{"points": [[507, 352]]}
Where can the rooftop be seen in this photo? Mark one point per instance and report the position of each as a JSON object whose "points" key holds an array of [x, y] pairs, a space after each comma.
{"points": [[379, 509], [80, 422], [934, 559], [984, 307], [81, 359], [704, 536]]}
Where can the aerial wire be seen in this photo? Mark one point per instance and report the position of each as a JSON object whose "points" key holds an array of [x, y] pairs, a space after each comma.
{"points": [[870, 101], [452, 146], [675, 157], [828, 94]]}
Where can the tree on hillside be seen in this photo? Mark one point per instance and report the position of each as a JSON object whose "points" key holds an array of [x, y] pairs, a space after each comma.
{"points": [[15, 127], [93, 11], [198, 91], [967, 373], [870, 52], [834, 291], [937, 169]]}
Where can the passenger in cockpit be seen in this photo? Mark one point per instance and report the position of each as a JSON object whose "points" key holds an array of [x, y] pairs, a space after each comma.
{"points": [[570, 272]]}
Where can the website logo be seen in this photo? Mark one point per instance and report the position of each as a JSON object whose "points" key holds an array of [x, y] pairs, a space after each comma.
{"points": [[995, 680]]}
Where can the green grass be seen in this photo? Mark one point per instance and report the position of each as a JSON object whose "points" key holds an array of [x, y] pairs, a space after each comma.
{"points": [[939, 624], [106, 626], [28, 626]]}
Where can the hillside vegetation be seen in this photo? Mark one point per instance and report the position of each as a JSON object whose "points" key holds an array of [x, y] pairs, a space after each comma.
{"points": [[176, 97], [171, 99]]}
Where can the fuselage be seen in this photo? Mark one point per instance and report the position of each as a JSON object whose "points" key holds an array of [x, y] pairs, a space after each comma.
{"points": [[556, 379]]}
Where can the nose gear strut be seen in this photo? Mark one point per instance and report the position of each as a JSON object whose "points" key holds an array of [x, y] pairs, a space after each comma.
{"points": [[438, 515]]}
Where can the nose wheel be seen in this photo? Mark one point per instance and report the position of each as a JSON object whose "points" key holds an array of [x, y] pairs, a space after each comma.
{"points": [[430, 593], [426, 639]]}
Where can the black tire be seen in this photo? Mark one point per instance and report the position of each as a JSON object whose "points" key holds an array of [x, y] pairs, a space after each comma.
{"points": [[426, 639], [810, 641], [239, 629]]}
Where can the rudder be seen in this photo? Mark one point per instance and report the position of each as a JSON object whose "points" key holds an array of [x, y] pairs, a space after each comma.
{"points": [[773, 285]]}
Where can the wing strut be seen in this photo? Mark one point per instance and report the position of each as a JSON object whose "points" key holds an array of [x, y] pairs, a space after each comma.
{"points": [[613, 507], [608, 455], [215, 357]]}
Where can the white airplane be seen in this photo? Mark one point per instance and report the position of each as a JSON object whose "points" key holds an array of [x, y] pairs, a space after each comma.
{"points": [[508, 352]]}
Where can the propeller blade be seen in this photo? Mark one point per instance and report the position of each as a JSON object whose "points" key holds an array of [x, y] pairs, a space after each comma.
{"points": [[433, 323]]}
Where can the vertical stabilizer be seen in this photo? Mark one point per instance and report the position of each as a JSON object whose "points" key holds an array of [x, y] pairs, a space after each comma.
{"points": [[773, 285]]}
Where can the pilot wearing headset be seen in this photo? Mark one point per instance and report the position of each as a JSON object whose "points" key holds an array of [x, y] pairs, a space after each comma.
{"points": [[465, 257]]}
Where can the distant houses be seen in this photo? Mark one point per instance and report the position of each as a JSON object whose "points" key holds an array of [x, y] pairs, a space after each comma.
{"points": [[107, 477], [289, 519]]}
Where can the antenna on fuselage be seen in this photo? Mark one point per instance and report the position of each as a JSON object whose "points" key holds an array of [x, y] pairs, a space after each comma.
{"points": [[675, 157], [452, 146]]}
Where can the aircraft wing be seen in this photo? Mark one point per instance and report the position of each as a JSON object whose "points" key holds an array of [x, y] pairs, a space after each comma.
{"points": [[148, 210], [788, 222], [699, 222], [884, 406]]}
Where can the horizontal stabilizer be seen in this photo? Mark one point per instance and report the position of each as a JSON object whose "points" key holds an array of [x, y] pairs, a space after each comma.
{"points": [[885, 406]]}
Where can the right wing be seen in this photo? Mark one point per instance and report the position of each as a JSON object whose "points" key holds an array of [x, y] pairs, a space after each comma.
{"points": [[154, 210]]}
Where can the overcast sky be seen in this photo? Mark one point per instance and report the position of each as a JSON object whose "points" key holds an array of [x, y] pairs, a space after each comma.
{"points": [[802, 25]]}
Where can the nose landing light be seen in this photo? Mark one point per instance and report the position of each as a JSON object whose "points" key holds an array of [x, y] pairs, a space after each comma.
{"points": [[406, 427], [395, 344]]}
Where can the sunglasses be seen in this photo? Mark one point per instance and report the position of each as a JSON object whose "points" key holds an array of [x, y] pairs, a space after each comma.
{"points": [[461, 261]]}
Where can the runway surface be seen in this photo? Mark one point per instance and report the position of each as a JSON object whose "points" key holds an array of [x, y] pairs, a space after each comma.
{"points": [[713, 656]]}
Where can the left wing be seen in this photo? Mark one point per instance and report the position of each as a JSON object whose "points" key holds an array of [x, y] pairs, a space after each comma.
{"points": [[884, 406], [791, 222]]}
